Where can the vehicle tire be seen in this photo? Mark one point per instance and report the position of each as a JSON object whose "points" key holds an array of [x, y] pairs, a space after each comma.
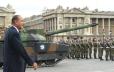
{"points": [[50, 62]]}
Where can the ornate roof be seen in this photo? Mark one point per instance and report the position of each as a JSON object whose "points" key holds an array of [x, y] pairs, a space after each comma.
{"points": [[85, 10], [7, 9]]}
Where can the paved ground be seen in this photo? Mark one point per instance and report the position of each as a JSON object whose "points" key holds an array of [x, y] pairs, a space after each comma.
{"points": [[70, 65]]}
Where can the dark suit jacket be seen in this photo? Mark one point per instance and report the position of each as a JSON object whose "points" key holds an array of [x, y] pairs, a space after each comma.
{"points": [[15, 56]]}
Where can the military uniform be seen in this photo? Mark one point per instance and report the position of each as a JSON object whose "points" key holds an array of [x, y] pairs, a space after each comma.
{"points": [[77, 53], [73, 50], [100, 49], [69, 43], [107, 50], [95, 48], [86, 46], [90, 49], [82, 49]]}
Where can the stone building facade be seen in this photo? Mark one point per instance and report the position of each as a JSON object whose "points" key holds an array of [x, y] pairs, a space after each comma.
{"points": [[6, 14], [59, 18], [34, 22]]}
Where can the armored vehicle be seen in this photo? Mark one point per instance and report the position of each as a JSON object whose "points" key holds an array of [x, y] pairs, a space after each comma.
{"points": [[42, 50]]}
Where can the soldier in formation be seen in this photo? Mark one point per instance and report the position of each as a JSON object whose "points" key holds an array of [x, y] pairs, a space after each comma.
{"points": [[90, 48], [77, 54], [100, 49], [95, 46], [107, 49], [68, 42], [81, 48]]}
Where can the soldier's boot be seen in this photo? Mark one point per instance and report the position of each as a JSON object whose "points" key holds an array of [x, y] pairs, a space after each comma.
{"points": [[86, 57], [110, 57], [69, 56], [90, 57], [82, 56], [95, 56], [106, 59], [73, 57], [77, 58], [101, 58]]}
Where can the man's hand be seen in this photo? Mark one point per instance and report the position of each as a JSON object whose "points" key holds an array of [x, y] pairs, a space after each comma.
{"points": [[35, 66]]}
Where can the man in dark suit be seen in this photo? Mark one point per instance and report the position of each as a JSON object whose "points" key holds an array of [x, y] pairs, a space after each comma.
{"points": [[15, 56]]}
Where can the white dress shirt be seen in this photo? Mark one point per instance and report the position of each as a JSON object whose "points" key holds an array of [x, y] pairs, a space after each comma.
{"points": [[16, 29]]}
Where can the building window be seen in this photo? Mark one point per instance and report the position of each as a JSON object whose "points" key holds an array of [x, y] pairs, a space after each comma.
{"points": [[73, 20], [2, 20], [73, 26], [60, 20], [81, 20], [60, 27], [67, 26], [67, 20]]}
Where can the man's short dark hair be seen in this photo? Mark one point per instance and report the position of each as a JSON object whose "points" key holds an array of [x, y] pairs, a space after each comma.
{"points": [[15, 17]]}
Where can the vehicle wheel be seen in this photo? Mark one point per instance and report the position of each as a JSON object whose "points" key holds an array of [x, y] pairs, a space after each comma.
{"points": [[50, 62]]}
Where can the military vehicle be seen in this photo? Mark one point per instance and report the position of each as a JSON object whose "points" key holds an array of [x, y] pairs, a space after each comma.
{"points": [[41, 50]]}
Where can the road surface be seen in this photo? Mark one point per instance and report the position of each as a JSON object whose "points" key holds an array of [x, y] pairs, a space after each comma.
{"points": [[73, 65]]}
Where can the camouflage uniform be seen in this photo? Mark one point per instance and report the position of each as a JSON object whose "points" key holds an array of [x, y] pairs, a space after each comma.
{"points": [[107, 49], [95, 47], [77, 53], [90, 49], [72, 54], [112, 49], [82, 49], [73, 49], [69, 43], [100, 49], [86, 46]]}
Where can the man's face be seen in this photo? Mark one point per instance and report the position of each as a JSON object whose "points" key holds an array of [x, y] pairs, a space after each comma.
{"points": [[19, 23]]}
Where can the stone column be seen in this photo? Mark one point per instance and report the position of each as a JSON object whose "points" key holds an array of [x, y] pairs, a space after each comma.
{"points": [[103, 22], [97, 33], [54, 23], [109, 25], [58, 23], [55, 19], [77, 25], [47, 24], [44, 25], [71, 24], [51, 24], [87, 21]]}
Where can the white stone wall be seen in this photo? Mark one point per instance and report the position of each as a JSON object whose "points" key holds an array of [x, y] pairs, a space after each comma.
{"points": [[83, 17], [7, 13]]}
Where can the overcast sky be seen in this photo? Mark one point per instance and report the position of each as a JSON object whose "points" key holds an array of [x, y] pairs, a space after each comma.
{"points": [[27, 8]]}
